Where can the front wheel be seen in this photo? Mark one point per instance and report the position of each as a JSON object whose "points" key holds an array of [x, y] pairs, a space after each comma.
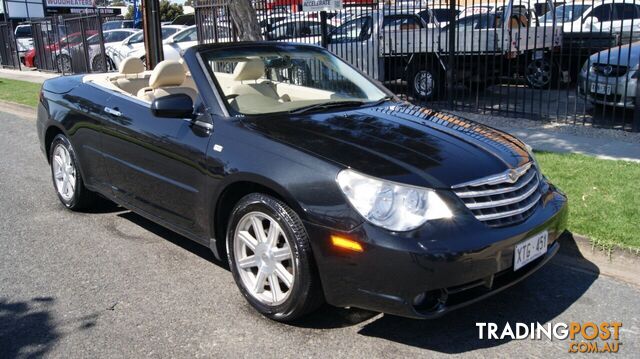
{"points": [[270, 258], [66, 176]]}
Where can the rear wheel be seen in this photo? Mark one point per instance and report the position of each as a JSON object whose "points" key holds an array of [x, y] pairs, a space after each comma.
{"points": [[541, 73], [270, 258], [99, 62], [425, 82], [66, 176], [64, 63]]}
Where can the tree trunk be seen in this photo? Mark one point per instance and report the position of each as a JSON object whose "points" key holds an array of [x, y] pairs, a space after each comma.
{"points": [[245, 20]]}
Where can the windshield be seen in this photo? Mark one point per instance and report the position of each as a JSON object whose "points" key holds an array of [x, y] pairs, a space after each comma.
{"points": [[285, 79], [565, 13]]}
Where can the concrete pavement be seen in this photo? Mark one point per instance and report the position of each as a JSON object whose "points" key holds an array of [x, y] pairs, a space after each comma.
{"points": [[27, 75]]}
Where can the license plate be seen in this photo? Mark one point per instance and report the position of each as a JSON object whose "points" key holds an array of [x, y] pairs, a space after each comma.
{"points": [[530, 249], [603, 89]]}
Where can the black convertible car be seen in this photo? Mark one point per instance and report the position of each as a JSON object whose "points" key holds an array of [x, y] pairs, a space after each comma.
{"points": [[314, 181]]}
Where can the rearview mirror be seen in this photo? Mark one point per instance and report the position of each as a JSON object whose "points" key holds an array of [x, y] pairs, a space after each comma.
{"points": [[173, 106]]}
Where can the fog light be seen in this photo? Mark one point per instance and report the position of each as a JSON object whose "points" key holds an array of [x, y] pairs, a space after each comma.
{"points": [[430, 300], [419, 299]]}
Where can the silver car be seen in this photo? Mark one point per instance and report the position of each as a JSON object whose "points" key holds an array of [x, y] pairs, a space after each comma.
{"points": [[610, 77]]}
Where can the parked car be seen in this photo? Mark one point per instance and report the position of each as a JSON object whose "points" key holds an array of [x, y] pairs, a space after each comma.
{"points": [[266, 22], [24, 40], [111, 38], [184, 20], [598, 16], [610, 77], [53, 50], [134, 45], [332, 190], [303, 31], [117, 24], [72, 59], [414, 52]]}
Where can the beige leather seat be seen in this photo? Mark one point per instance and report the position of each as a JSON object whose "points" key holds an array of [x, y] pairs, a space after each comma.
{"points": [[167, 79], [130, 76], [248, 73], [131, 65]]}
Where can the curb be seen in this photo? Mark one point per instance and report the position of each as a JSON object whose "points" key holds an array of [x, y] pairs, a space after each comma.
{"points": [[578, 252], [16, 109]]}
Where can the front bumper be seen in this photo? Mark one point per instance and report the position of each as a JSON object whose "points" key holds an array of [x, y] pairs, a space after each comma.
{"points": [[622, 94], [452, 263]]}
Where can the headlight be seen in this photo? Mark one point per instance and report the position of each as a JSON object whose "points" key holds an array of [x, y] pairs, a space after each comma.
{"points": [[390, 205], [585, 67]]}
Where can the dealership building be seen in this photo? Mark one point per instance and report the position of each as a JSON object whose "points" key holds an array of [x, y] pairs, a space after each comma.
{"points": [[32, 9]]}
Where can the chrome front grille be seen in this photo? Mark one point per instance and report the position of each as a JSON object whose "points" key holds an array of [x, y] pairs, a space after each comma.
{"points": [[504, 199], [609, 70]]}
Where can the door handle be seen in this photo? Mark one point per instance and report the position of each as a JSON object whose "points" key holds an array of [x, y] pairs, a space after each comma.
{"points": [[112, 111]]}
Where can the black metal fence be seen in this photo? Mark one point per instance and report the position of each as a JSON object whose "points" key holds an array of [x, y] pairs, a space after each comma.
{"points": [[8, 49], [562, 61], [552, 60]]}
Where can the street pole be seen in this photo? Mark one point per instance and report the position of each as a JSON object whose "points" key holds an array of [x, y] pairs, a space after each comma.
{"points": [[152, 32]]}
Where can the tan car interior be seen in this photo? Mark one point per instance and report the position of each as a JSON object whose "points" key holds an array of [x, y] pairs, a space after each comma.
{"points": [[247, 89]]}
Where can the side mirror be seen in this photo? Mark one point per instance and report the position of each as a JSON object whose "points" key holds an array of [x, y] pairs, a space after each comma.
{"points": [[173, 106]]}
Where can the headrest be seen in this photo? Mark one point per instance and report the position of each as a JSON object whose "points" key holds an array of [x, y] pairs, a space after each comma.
{"points": [[184, 64], [167, 73], [249, 70], [131, 65]]}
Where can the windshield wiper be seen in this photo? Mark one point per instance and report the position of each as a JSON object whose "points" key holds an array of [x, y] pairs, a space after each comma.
{"points": [[325, 105], [380, 101]]}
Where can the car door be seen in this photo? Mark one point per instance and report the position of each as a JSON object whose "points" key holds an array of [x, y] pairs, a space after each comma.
{"points": [[354, 43], [156, 164], [625, 18], [599, 19]]}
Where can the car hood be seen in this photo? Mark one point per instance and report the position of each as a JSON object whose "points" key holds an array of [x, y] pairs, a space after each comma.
{"points": [[399, 142], [627, 55]]}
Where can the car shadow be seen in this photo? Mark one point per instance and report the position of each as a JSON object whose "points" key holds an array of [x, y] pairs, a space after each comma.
{"points": [[27, 328], [540, 298], [181, 241]]}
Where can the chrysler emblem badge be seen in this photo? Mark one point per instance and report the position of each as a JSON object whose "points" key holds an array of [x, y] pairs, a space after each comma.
{"points": [[607, 70], [513, 176]]}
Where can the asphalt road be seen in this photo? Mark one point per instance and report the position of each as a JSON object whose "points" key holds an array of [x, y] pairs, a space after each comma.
{"points": [[112, 284]]}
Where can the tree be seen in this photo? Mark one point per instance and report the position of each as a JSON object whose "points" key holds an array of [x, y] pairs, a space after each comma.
{"points": [[168, 11], [244, 18], [191, 3]]}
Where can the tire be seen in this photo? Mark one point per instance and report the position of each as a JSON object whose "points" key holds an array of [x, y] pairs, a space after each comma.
{"points": [[298, 291], [541, 73], [425, 82], [64, 63], [64, 169], [98, 64]]}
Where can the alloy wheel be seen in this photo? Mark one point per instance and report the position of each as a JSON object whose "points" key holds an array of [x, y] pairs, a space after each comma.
{"points": [[539, 73], [423, 83], [263, 258], [64, 172]]}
